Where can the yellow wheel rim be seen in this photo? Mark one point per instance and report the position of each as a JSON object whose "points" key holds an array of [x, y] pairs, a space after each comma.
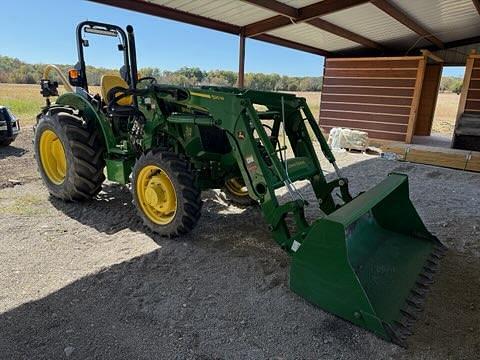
{"points": [[52, 157], [156, 195], [237, 187]]}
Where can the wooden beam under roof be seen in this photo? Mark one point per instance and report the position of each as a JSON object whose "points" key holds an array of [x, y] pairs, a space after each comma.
{"points": [[406, 20], [290, 11], [189, 18], [305, 13]]}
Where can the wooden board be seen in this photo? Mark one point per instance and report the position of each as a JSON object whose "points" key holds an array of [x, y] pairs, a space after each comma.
{"points": [[473, 163], [372, 82], [373, 134], [428, 99], [353, 115], [375, 95], [430, 155], [416, 100]]}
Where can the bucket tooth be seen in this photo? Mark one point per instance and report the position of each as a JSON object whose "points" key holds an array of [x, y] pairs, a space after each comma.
{"points": [[441, 248], [415, 301], [395, 335], [421, 284], [439, 252], [419, 292], [409, 314], [429, 269], [426, 278], [432, 262], [403, 330]]}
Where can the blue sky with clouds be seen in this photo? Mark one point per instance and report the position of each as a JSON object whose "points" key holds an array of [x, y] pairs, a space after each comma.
{"points": [[42, 31]]}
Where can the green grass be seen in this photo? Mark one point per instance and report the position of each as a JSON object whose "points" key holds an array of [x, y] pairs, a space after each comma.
{"points": [[24, 101]]}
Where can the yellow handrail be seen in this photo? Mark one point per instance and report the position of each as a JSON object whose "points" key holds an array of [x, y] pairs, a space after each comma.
{"points": [[64, 80]]}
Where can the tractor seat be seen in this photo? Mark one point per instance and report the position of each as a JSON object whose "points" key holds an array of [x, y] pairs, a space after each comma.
{"points": [[108, 82]]}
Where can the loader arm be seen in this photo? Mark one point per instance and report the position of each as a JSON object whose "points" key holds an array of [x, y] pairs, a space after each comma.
{"points": [[263, 163], [368, 259]]}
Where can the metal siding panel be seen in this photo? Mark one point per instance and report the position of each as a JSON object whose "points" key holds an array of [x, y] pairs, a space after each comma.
{"points": [[369, 21], [309, 35], [448, 20], [230, 11]]}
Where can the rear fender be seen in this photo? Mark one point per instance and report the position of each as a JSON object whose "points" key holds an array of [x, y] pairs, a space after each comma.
{"points": [[72, 101]]}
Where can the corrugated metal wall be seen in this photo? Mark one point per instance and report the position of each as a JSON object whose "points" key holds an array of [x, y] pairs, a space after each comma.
{"points": [[377, 95]]}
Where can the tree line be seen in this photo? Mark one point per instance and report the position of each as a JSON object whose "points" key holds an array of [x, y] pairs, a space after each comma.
{"points": [[15, 71]]}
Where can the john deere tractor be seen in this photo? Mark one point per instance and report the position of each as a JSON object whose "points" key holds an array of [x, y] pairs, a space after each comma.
{"points": [[368, 259]]}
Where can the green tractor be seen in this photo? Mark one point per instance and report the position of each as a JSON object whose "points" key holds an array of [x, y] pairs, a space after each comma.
{"points": [[368, 259]]}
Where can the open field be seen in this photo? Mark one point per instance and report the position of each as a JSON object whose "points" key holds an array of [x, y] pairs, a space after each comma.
{"points": [[26, 101]]}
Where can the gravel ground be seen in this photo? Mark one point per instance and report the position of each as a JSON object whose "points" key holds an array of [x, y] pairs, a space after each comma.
{"points": [[88, 281]]}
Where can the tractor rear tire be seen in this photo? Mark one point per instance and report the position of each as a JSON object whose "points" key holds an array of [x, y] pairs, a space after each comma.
{"points": [[69, 154], [165, 193]]}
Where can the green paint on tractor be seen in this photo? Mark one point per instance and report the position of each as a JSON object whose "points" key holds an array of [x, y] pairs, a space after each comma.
{"points": [[368, 259]]}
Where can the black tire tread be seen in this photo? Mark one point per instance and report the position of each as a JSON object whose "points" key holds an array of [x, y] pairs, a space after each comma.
{"points": [[190, 204], [84, 140]]}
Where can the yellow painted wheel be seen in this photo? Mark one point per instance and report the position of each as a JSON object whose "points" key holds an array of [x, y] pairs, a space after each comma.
{"points": [[156, 195], [237, 187], [52, 157]]}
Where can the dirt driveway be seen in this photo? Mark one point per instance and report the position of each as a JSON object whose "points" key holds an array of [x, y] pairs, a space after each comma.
{"points": [[87, 281]]}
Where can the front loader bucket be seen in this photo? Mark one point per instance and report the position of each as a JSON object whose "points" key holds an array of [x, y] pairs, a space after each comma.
{"points": [[370, 261]]}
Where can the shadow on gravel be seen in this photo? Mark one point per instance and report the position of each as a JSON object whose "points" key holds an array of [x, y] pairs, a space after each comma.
{"points": [[11, 151], [112, 211], [109, 212], [168, 304], [225, 294]]}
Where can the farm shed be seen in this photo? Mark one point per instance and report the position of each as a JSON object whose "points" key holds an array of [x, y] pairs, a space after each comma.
{"points": [[384, 58]]}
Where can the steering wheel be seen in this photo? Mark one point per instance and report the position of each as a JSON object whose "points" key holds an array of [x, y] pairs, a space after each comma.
{"points": [[150, 79]]}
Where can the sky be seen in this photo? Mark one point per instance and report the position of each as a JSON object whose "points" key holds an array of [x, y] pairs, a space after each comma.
{"points": [[43, 31]]}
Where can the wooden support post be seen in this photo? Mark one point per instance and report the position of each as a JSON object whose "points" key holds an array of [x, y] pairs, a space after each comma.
{"points": [[417, 92], [241, 63]]}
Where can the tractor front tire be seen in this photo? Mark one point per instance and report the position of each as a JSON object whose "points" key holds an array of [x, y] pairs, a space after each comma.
{"points": [[6, 142], [165, 193], [69, 154]]}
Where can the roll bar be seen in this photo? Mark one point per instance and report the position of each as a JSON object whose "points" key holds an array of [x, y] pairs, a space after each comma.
{"points": [[127, 46]]}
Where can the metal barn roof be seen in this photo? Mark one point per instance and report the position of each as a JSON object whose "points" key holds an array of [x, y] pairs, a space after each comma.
{"points": [[334, 27]]}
